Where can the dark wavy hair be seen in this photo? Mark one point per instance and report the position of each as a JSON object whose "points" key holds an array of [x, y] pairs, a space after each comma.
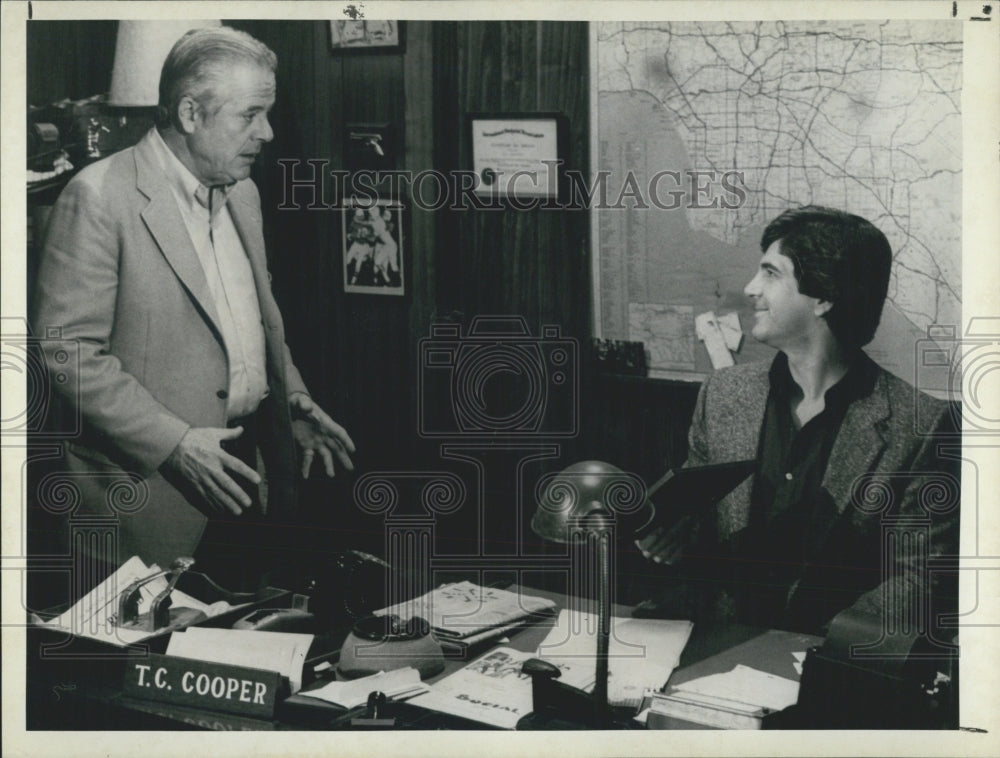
{"points": [[196, 65], [840, 258]]}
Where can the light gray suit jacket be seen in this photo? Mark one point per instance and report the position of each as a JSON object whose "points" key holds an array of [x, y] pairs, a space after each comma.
{"points": [[891, 460], [120, 278]]}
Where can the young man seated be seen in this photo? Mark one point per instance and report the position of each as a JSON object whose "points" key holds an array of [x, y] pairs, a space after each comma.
{"points": [[840, 455]]}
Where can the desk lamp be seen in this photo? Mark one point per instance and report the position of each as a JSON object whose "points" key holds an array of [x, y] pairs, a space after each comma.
{"points": [[579, 507], [141, 48]]}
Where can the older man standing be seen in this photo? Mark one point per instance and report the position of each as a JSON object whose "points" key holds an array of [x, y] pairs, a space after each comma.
{"points": [[154, 265]]}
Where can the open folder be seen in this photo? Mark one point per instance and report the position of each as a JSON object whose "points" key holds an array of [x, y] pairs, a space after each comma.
{"points": [[685, 490]]}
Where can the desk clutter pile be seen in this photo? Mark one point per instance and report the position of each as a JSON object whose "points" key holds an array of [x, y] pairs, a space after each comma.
{"points": [[267, 675]]}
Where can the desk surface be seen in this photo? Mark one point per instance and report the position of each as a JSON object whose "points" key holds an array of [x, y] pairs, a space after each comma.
{"points": [[86, 694]]}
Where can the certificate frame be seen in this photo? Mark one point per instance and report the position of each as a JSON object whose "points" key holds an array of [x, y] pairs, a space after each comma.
{"points": [[518, 155]]}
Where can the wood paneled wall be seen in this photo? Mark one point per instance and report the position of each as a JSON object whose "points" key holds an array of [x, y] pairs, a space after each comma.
{"points": [[530, 263], [354, 351]]}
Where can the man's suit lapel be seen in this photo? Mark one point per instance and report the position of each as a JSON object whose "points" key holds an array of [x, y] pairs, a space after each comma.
{"points": [[165, 223], [743, 440], [247, 220], [860, 442], [738, 436]]}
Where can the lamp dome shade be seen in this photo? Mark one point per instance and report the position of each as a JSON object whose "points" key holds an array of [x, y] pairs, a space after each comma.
{"points": [[589, 493], [140, 50]]}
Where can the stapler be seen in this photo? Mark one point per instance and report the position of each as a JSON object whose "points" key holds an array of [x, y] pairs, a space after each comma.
{"points": [[161, 615]]}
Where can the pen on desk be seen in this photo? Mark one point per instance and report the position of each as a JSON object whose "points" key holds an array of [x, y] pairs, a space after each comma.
{"points": [[402, 697]]}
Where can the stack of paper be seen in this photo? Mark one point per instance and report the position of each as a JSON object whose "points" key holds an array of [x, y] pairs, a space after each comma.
{"points": [[397, 685], [283, 652], [736, 699], [96, 614], [465, 612], [745, 685], [642, 653]]}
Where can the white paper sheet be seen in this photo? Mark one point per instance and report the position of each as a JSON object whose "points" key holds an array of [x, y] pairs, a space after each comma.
{"points": [[95, 615], [707, 328], [283, 652], [642, 653], [747, 685], [732, 330], [491, 689], [404, 681]]}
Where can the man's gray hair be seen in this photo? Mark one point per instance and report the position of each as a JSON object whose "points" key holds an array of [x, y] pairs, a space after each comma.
{"points": [[196, 66]]}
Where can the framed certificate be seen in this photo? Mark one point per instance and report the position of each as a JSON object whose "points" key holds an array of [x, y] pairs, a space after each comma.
{"points": [[518, 154]]}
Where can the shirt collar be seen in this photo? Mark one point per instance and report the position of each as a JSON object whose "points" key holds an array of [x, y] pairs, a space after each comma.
{"points": [[185, 185], [858, 382]]}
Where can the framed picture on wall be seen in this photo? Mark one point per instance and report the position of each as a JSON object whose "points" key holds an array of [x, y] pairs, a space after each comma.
{"points": [[370, 34], [372, 247], [518, 155]]}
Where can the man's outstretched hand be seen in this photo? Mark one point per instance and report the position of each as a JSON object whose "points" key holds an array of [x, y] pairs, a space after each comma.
{"points": [[319, 435], [200, 459]]}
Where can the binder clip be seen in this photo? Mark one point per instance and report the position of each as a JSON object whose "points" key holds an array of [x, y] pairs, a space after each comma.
{"points": [[161, 615], [373, 717]]}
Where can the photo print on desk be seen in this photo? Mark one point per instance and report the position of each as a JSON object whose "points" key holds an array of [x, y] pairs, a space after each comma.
{"points": [[372, 247]]}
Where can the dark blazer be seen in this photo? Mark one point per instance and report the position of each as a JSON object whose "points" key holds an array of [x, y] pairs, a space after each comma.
{"points": [[120, 278], [890, 461]]}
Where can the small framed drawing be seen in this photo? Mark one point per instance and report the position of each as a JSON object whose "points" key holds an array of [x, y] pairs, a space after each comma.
{"points": [[374, 35], [372, 246]]}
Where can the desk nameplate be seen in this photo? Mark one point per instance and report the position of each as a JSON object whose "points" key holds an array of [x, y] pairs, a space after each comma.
{"points": [[203, 684]]}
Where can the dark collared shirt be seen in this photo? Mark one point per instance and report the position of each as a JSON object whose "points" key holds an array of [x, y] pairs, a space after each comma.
{"points": [[789, 505]]}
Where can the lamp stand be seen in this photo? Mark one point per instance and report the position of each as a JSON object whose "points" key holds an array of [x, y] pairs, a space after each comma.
{"points": [[557, 705], [579, 508], [601, 710]]}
